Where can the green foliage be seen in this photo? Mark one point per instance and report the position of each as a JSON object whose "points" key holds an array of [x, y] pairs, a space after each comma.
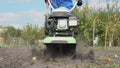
{"points": [[32, 33], [29, 33], [41, 34], [114, 65], [102, 22], [10, 31]]}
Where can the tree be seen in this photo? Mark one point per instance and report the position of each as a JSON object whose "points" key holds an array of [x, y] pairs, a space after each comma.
{"points": [[29, 33], [41, 34], [103, 22], [10, 31]]}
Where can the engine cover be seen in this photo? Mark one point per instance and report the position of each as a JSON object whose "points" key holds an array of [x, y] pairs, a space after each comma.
{"points": [[62, 24]]}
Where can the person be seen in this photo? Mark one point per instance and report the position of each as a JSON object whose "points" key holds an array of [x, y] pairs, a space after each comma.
{"points": [[60, 3]]}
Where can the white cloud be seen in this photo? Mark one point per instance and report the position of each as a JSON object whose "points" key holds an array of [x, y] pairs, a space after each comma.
{"points": [[6, 17], [96, 4], [38, 17], [18, 26], [101, 3], [22, 18]]}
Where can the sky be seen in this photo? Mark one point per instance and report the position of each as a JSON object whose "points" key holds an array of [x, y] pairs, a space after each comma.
{"points": [[18, 13]]}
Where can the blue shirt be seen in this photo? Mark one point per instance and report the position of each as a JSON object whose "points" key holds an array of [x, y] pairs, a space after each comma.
{"points": [[62, 3]]}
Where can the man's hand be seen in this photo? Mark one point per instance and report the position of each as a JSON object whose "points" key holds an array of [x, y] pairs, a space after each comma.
{"points": [[47, 4], [79, 2]]}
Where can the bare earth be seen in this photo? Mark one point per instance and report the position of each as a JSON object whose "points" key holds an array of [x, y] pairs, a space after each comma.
{"points": [[87, 57]]}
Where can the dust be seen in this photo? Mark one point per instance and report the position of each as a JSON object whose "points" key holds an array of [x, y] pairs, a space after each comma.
{"points": [[85, 54], [21, 57]]}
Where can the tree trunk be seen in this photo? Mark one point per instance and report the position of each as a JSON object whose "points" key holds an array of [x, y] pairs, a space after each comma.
{"points": [[106, 32], [93, 32]]}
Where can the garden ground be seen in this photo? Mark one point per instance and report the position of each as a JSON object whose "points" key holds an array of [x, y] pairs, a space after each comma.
{"points": [[33, 57]]}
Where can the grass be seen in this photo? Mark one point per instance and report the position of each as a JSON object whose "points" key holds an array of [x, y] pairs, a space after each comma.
{"points": [[3, 45]]}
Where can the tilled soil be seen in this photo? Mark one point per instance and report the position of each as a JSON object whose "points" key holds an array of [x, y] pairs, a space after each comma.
{"points": [[86, 57]]}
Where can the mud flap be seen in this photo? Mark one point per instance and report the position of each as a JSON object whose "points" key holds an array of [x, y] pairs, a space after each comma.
{"points": [[59, 40], [60, 46]]}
